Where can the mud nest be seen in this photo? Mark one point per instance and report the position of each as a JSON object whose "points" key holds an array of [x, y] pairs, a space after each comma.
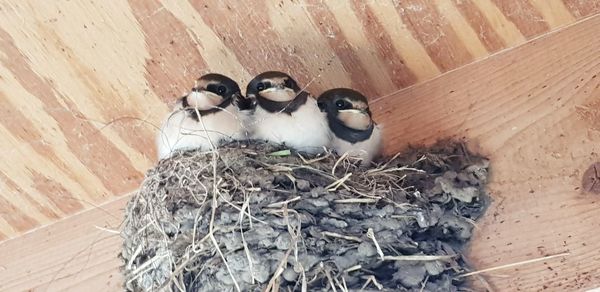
{"points": [[251, 217]]}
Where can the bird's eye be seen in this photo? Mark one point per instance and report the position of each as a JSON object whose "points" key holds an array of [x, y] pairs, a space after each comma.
{"points": [[340, 104], [260, 86], [221, 89]]}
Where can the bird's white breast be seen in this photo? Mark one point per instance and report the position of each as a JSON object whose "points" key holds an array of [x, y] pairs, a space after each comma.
{"points": [[179, 131], [304, 130], [366, 150]]}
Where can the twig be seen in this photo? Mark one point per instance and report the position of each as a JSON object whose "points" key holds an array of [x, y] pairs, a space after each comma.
{"points": [[178, 269], [337, 235], [352, 269], [328, 275], [371, 235], [334, 185], [247, 213], [137, 251], [424, 283], [338, 162], [294, 232], [283, 203], [246, 249], [212, 223], [345, 285], [356, 200], [372, 279], [339, 284], [514, 264], [278, 272], [304, 283], [212, 145], [311, 161], [395, 170], [419, 258], [385, 164], [146, 265]]}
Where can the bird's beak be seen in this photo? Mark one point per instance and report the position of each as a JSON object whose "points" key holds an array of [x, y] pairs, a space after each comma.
{"points": [[278, 94], [203, 100], [357, 119]]}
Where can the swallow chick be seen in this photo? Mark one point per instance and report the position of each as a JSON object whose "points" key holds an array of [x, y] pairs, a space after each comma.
{"points": [[204, 118], [285, 114], [349, 119]]}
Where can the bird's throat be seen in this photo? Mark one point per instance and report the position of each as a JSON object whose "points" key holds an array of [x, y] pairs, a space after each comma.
{"points": [[193, 112], [348, 134], [282, 106]]}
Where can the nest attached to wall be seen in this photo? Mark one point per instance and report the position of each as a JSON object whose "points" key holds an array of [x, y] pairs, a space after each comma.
{"points": [[253, 218]]}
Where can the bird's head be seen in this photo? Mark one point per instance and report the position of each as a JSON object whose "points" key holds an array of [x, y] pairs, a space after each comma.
{"points": [[347, 107], [274, 86], [276, 91], [212, 91]]}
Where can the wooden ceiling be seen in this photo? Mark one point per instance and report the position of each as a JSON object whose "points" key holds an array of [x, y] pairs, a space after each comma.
{"points": [[83, 84]]}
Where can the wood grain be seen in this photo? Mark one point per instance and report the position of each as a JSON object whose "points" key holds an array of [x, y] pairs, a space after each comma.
{"points": [[582, 8], [524, 15], [534, 109], [481, 24], [83, 84], [434, 32], [554, 12], [74, 254]]}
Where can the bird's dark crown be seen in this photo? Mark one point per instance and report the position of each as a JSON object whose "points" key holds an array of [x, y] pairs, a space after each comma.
{"points": [[213, 82], [280, 80], [269, 79]]}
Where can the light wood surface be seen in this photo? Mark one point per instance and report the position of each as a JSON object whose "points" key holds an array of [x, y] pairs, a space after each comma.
{"points": [[78, 253], [83, 82], [535, 110]]}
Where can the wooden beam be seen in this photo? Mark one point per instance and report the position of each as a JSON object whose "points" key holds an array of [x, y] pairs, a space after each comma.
{"points": [[535, 110], [78, 253], [77, 78]]}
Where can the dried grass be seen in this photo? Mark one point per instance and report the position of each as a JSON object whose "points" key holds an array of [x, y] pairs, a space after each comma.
{"points": [[243, 219]]}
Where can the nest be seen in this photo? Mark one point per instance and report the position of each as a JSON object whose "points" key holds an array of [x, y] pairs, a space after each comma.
{"points": [[250, 217]]}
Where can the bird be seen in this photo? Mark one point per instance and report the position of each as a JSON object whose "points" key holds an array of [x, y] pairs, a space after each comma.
{"points": [[285, 114], [205, 118], [351, 124]]}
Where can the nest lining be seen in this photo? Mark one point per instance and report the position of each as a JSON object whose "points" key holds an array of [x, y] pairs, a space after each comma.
{"points": [[248, 217]]}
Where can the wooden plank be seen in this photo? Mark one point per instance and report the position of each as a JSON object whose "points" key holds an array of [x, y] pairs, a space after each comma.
{"points": [[77, 78], [521, 13], [581, 8], [554, 12], [422, 18], [534, 109], [73, 254]]}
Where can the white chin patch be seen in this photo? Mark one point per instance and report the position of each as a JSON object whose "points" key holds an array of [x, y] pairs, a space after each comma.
{"points": [[355, 119], [278, 95], [203, 100]]}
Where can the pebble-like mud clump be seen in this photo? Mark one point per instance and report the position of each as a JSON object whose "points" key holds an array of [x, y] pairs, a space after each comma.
{"points": [[252, 217]]}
